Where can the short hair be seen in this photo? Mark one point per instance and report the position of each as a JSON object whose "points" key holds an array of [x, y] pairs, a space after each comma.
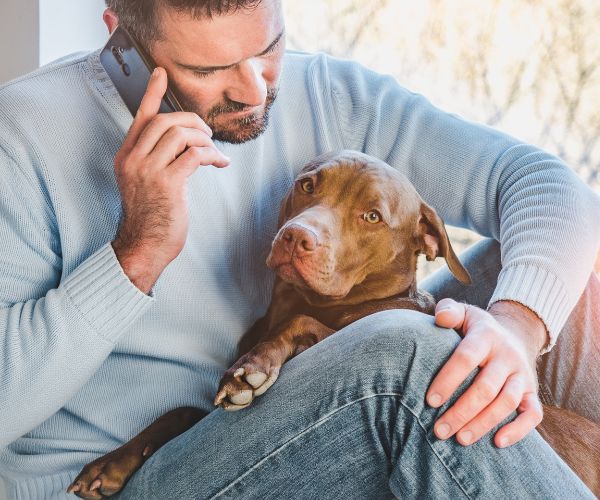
{"points": [[139, 16]]}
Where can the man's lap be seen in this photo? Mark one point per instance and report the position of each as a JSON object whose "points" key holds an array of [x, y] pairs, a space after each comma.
{"points": [[308, 432]]}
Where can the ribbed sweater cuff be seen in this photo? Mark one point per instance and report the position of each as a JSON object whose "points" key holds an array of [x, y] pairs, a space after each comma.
{"points": [[104, 294], [541, 291]]}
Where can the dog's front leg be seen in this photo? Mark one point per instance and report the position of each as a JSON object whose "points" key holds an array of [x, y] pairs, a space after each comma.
{"points": [[258, 369]]}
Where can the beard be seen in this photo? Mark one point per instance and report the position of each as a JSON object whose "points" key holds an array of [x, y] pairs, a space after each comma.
{"points": [[236, 130]]}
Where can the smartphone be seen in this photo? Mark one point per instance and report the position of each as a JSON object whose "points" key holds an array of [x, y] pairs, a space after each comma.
{"points": [[129, 67]]}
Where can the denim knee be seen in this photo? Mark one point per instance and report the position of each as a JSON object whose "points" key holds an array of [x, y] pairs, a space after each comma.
{"points": [[398, 351], [395, 333]]}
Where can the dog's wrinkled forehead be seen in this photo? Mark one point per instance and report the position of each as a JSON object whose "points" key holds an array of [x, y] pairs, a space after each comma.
{"points": [[348, 171]]}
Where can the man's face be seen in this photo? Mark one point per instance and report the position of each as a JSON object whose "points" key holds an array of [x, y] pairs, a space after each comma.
{"points": [[225, 69]]}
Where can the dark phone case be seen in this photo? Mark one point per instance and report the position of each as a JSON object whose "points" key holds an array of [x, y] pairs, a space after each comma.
{"points": [[129, 68]]}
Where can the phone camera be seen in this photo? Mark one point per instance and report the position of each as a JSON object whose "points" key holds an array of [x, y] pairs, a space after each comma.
{"points": [[116, 51], [126, 69]]}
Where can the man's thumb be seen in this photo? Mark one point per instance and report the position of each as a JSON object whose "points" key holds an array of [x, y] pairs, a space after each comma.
{"points": [[449, 314]]}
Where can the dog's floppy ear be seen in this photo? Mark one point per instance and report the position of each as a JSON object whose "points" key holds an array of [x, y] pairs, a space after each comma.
{"points": [[435, 242]]}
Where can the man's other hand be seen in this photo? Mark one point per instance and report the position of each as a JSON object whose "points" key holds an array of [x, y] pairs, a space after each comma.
{"points": [[504, 343]]}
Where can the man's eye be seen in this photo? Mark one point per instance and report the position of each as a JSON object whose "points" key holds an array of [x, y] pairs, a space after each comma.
{"points": [[203, 74]]}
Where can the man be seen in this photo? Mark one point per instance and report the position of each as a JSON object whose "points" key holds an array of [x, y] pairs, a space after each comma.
{"points": [[132, 267]]}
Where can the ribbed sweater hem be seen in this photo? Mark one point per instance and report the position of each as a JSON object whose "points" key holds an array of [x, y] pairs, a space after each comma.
{"points": [[538, 289], [104, 294], [41, 488]]}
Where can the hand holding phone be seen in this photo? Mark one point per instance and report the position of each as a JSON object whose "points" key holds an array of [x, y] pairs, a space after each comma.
{"points": [[159, 153]]}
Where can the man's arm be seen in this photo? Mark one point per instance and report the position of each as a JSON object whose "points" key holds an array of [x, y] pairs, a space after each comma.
{"points": [[54, 332], [476, 177], [543, 214]]}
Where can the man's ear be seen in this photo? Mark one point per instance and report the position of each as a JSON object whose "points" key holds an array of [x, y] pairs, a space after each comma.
{"points": [[111, 20], [434, 242]]}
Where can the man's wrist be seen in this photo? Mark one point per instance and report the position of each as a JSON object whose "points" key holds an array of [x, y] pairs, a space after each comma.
{"points": [[523, 322], [137, 268]]}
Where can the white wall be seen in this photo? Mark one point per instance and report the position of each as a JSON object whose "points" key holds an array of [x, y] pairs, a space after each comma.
{"points": [[70, 25], [34, 32], [19, 37]]}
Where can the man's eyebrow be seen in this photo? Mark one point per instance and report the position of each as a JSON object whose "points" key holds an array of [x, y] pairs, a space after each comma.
{"points": [[214, 68]]}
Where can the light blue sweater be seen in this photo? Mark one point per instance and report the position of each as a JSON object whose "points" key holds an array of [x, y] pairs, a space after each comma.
{"points": [[87, 360]]}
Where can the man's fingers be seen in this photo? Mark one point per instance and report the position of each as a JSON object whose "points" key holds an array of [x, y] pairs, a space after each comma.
{"points": [[157, 86], [474, 400], [176, 140], [507, 401], [195, 157], [467, 356], [162, 124], [530, 416]]}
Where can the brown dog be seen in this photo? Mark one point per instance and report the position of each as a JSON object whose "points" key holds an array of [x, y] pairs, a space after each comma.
{"points": [[349, 234]]}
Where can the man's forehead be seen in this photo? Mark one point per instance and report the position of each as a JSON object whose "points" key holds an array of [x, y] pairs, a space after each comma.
{"points": [[220, 40]]}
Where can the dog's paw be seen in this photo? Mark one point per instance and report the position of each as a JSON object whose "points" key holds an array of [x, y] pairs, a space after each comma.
{"points": [[249, 377], [108, 474]]}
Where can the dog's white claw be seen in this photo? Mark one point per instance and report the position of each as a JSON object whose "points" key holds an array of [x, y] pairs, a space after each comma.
{"points": [[219, 398], [256, 379], [239, 372], [242, 397], [268, 383]]}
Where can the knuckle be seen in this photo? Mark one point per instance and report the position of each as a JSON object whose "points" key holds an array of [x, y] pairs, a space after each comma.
{"points": [[485, 391], [466, 355], [458, 417], [130, 161], [511, 399], [178, 133], [160, 120], [196, 153]]}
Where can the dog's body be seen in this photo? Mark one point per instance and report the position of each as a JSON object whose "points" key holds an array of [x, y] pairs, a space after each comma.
{"points": [[349, 235]]}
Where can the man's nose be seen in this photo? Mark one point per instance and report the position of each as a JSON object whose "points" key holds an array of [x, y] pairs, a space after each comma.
{"points": [[250, 86]]}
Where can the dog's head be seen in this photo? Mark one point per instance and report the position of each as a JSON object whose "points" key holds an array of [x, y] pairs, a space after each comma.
{"points": [[351, 227]]}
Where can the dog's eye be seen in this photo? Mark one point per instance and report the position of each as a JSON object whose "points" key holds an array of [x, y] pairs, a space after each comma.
{"points": [[307, 186], [372, 216]]}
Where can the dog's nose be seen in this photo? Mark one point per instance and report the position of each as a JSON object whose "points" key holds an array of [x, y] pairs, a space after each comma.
{"points": [[299, 239]]}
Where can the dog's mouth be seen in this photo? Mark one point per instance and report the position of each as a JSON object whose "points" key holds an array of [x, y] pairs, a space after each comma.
{"points": [[294, 275], [289, 273]]}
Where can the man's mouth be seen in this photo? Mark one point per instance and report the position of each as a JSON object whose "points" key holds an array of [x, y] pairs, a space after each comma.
{"points": [[242, 112]]}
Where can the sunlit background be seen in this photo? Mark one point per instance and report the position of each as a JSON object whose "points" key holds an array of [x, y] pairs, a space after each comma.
{"points": [[528, 67]]}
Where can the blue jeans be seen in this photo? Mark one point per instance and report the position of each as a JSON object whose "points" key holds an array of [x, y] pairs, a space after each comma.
{"points": [[347, 419]]}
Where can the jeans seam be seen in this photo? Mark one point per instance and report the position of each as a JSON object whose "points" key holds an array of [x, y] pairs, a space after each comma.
{"points": [[314, 425], [321, 421], [434, 451]]}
